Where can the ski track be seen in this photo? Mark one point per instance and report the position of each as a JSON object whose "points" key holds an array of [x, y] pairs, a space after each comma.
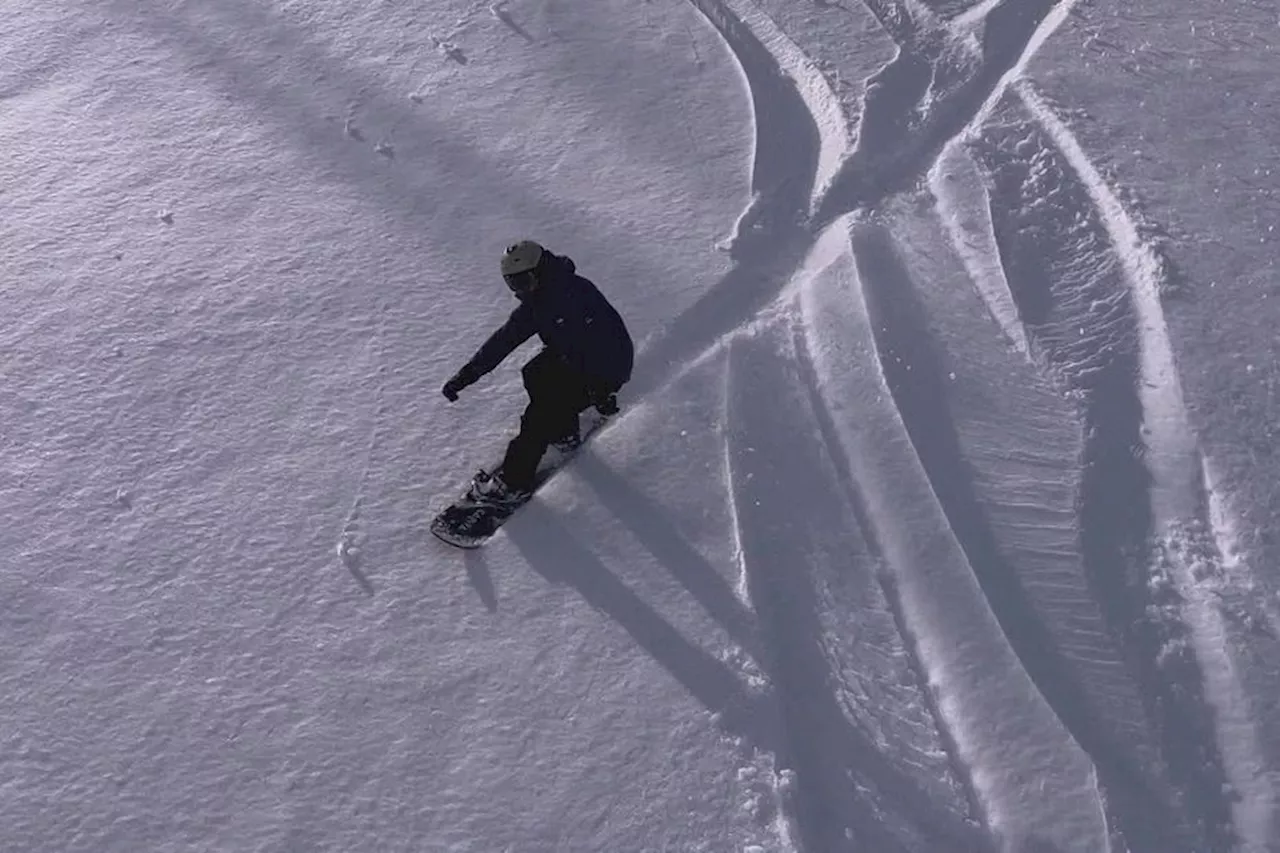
{"points": [[828, 116], [957, 66], [850, 792], [1033, 783], [827, 427], [1180, 496], [956, 183]]}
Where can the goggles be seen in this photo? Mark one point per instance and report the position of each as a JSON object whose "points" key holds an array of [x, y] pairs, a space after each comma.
{"points": [[521, 283]]}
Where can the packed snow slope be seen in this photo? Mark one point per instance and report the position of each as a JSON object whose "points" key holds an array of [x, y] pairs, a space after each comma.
{"points": [[939, 516]]}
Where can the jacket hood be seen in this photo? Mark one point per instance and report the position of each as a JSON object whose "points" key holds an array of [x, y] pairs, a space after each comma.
{"points": [[560, 264]]}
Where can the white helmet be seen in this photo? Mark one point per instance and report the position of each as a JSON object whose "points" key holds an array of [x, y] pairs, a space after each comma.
{"points": [[521, 257]]}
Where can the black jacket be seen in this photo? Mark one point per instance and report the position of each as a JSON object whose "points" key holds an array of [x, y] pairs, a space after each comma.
{"points": [[575, 322]]}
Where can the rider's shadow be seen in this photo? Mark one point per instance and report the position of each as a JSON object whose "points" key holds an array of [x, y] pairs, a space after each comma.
{"points": [[652, 527], [555, 553]]}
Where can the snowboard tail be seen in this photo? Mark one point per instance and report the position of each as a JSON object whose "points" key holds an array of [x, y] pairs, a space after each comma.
{"points": [[470, 522]]}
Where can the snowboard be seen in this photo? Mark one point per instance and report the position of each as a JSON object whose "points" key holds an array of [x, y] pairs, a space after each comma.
{"points": [[468, 523]]}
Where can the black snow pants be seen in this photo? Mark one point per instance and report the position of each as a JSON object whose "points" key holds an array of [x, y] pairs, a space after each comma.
{"points": [[557, 395]]}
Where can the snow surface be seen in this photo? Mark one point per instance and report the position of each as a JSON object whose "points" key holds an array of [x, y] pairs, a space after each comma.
{"points": [[940, 516]]}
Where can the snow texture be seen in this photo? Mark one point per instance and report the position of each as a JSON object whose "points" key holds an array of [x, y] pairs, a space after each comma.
{"points": [[940, 514]]}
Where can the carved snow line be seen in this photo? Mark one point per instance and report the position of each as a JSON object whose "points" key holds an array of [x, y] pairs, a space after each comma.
{"points": [[874, 173], [769, 237], [792, 132], [954, 180], [796, 536], [834, 137], [742, 583], [1176, 494], [1054, 19], [1053, 795], [965, 211]]}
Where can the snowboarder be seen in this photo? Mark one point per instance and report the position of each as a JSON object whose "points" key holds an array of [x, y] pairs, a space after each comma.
{"points": [[587, 356]]}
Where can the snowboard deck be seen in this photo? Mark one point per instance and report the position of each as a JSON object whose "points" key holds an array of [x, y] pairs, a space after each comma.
{"points": [[467, 523]]}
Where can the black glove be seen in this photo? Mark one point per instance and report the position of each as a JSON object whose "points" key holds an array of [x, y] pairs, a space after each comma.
{"points": [[606, 404], [454, 385]]}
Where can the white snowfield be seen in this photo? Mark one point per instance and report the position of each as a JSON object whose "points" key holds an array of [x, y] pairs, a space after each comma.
{"points": [[940, 516]]}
